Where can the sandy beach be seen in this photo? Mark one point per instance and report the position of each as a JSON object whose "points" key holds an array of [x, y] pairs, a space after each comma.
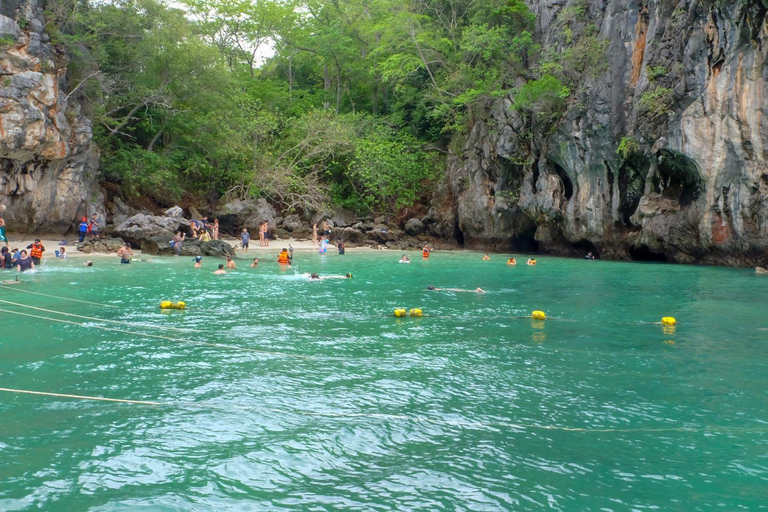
{"points": [[52, 243]]}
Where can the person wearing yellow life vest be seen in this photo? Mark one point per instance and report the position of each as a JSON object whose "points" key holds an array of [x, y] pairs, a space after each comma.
{"points": [[284, 258], [36, 251]]}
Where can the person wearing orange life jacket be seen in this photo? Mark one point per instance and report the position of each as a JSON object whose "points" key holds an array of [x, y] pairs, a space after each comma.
{"points": [[425, 252], [36, 251], [284, 258]]}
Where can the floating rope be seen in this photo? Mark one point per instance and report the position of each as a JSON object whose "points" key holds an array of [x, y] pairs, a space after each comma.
{"points": [[99, 319], [62, 298], [181, 340], [395, 417]]}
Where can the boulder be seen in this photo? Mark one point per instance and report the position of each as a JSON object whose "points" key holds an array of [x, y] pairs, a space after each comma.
{"points": [[141, 229], [238, 214], [342, 217], [384, 234], [349, 235], [105, 245], [414, 226], [195, 213], [189, 248], [174, 211], [293, 223]]}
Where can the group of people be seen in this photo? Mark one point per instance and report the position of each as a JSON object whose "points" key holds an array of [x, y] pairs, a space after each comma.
{"points": [[204, 230], [89, 227], [512, 261], [24, 259]]}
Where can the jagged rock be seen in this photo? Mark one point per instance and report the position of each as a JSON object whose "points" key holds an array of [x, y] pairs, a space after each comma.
{"points": [[414, 226], [293, 223], [174, 211], [105, 245], [144, 230]]}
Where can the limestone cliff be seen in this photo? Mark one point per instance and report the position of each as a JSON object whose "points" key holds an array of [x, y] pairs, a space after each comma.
{"points": [[683, 88], [47, 161]]}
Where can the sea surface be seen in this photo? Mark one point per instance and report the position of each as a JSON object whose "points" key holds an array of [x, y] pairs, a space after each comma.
{"points": [[271, 392]]}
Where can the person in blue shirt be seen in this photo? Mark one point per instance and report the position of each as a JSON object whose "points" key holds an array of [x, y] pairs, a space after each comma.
{"points": [[245, 238], [83, 229]]}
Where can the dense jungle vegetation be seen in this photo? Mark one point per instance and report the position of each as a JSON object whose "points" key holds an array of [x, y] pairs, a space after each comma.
{"points": [[304, 102]]}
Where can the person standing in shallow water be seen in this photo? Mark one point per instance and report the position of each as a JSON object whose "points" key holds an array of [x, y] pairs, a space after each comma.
{"points": [[125, 253], [245, 239], [36, 250], [24, 262], [340, 245]]}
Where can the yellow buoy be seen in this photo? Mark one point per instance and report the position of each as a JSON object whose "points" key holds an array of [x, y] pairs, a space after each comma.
{"points": [[416, 312], [538, 315], [400, 312], [668, 320], [166, 304], [180, 305]]}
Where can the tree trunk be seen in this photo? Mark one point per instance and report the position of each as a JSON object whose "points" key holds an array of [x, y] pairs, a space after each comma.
{"points": [[326, 85]]}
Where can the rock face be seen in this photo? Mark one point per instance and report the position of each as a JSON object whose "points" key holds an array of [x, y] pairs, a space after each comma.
{"points": [[48, 163], [660, 155]]}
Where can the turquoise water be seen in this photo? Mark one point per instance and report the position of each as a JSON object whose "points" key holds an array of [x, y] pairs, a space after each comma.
{"points": [[348, 408]]}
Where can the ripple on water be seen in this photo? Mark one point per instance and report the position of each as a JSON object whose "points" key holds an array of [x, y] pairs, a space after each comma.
{"points": [[467, 408]]}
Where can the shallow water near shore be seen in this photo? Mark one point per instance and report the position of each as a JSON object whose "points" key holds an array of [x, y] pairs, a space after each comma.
{"points": [[337, 405]]}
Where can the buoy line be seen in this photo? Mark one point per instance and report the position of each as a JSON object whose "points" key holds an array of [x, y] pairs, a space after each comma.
{"points": [[383, 416], [156, 336], [120, 322], [62, 298]]}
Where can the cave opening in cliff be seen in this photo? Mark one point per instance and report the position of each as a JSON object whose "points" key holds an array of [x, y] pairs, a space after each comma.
{"points": [[644, 253], [678, 178], [524, 241], [564, 178], [458, 235], [631, 184], [583, 247]]}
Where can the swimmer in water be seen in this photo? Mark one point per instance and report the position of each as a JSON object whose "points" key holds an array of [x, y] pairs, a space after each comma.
{"points": [[405, 259], [486, 257], [512, 261], [88, 263], [316, 277], [255, 263], [531, 261], [198, 262], [220, 270], [230, 263], [433, 289]]}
